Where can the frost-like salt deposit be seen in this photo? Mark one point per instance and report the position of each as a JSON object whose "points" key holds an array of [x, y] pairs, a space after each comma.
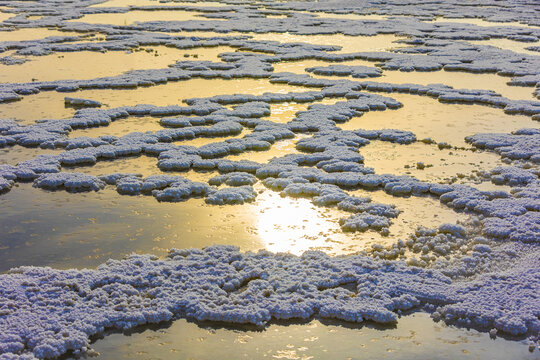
{"points": [[69, 181], [81, 102], [233, 179], [343, 70], [219, 283], [232, 195], [483, 273], [523, 144]]}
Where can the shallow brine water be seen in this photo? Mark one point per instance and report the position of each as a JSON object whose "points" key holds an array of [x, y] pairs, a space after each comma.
{"points": [[10, 34], [65, 66], [140, 16], [309, 131], [416, 336], [126, 3], [51, 105]]}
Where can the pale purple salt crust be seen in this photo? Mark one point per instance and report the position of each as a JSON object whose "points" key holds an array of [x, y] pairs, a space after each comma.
{"points": [[44, 312], [523, 144]]}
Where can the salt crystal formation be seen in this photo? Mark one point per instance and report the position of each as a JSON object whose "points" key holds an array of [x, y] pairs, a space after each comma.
{"points": [[48, 312], [483, 273]]}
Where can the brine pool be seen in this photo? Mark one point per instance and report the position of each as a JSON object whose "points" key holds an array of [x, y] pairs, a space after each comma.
{"points": [[82, 230]]}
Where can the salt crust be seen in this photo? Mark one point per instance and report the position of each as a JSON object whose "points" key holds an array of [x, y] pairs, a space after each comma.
{"points": [[496, 253], [47, 312]]}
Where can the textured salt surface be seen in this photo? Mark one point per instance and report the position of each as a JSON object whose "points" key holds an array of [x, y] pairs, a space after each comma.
{"points": [[289, 101], [145, 289]]}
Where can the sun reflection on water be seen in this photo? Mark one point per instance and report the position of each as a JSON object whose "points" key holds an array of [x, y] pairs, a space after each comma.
{"points": [[293, 225]]}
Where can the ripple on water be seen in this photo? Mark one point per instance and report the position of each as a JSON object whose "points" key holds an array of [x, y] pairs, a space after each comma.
{"points": [[66, 230], [415, 336]]}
